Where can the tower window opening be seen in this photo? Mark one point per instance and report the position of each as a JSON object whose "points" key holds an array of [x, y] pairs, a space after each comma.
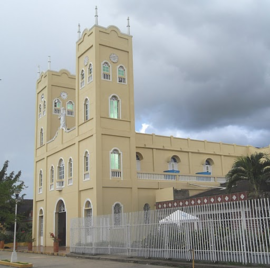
{"points": [[70, 171], [52, 178], [114, 107], [121, 75], [86, 109], [39, 111], [82, 78], [86, 175], [106, 71], [44, 107], [90, 73], [70, 108], [56, 106], [116, 171]]}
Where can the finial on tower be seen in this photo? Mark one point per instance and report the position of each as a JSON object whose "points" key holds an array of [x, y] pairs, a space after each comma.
{"points": [[128, 26], [49, 62], [38, 71], [79, 31], [96, 16]]}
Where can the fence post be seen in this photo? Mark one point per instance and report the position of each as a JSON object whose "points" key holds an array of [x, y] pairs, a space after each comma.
{"points": [[128, 239], [243, 233]]}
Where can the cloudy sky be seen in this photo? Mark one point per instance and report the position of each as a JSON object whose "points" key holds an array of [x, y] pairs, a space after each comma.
{"points": [[201, 68]]}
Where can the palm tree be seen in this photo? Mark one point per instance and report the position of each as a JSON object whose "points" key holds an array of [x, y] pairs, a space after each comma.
{"points": [[254, 168]]}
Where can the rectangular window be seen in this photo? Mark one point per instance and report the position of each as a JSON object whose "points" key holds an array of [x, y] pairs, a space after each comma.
{"points": [[113, 108], [115, 163]]}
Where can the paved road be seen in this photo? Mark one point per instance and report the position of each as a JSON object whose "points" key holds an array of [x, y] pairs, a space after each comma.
{"points": [[40, 260]]}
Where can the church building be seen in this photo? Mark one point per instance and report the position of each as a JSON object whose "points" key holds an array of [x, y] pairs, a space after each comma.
{"points": [[90, 161]]}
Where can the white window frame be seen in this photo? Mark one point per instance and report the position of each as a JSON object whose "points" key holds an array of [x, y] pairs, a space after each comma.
{"points": [[90, 76], [86, 116], [84, 208], [116, 174], [138, 161], [119, 106], [102, 78], [173, 165], [70, 112], [39, 111], [60, 183], [40, 181], [57, 109], [82, 81], [86, 174], [125, 77], [70, 176], [52, 175], [206, 167], [41, 137], [44, 107], [122, 213]]}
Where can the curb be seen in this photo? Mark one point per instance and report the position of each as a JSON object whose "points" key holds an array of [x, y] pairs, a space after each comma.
{"points": [[38, 252], [159, 262]]}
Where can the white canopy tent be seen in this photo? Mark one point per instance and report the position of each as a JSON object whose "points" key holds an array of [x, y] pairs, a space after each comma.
{"points": [[179, 217]]}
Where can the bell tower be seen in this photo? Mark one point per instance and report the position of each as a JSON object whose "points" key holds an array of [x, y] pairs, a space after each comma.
{"points": [[105, 114]]}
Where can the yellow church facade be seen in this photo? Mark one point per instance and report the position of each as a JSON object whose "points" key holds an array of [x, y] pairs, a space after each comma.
{"points": [[89, 160]]}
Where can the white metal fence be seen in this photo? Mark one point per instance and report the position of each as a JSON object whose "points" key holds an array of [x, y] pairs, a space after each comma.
{"points": [[227, 232]]}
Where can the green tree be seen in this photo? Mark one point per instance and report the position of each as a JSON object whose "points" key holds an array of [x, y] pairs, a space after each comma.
{"points": [[254, 168], [8, 184]]}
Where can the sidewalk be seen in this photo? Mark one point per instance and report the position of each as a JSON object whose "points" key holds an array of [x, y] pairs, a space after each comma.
{"points": [[65, 252]]}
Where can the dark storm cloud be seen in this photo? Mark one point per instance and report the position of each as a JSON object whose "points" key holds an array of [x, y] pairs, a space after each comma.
{"points": [[207, 64]]}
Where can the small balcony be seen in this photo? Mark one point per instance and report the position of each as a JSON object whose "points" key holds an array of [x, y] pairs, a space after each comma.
{"points": [[59, 185], [116, 174]]}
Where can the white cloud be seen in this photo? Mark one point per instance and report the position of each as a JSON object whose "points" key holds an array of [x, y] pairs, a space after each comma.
{"points": [[143, 128]]}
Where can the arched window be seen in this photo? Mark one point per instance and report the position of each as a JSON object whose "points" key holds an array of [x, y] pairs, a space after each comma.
{"points": [[40, 181], [86, 166], [88, 213], [106, 71], [173, 164], [39, 110], [56, 106], [146, 209], [51, 178], [115, 164], [208, 165], [138, 161], [117, 214], [41, 137], [70, 108], [90, 73], [61, 175], [121, 75], [44, 107], [114, 107], [86, 109], [70, 171], [82, 78]]}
